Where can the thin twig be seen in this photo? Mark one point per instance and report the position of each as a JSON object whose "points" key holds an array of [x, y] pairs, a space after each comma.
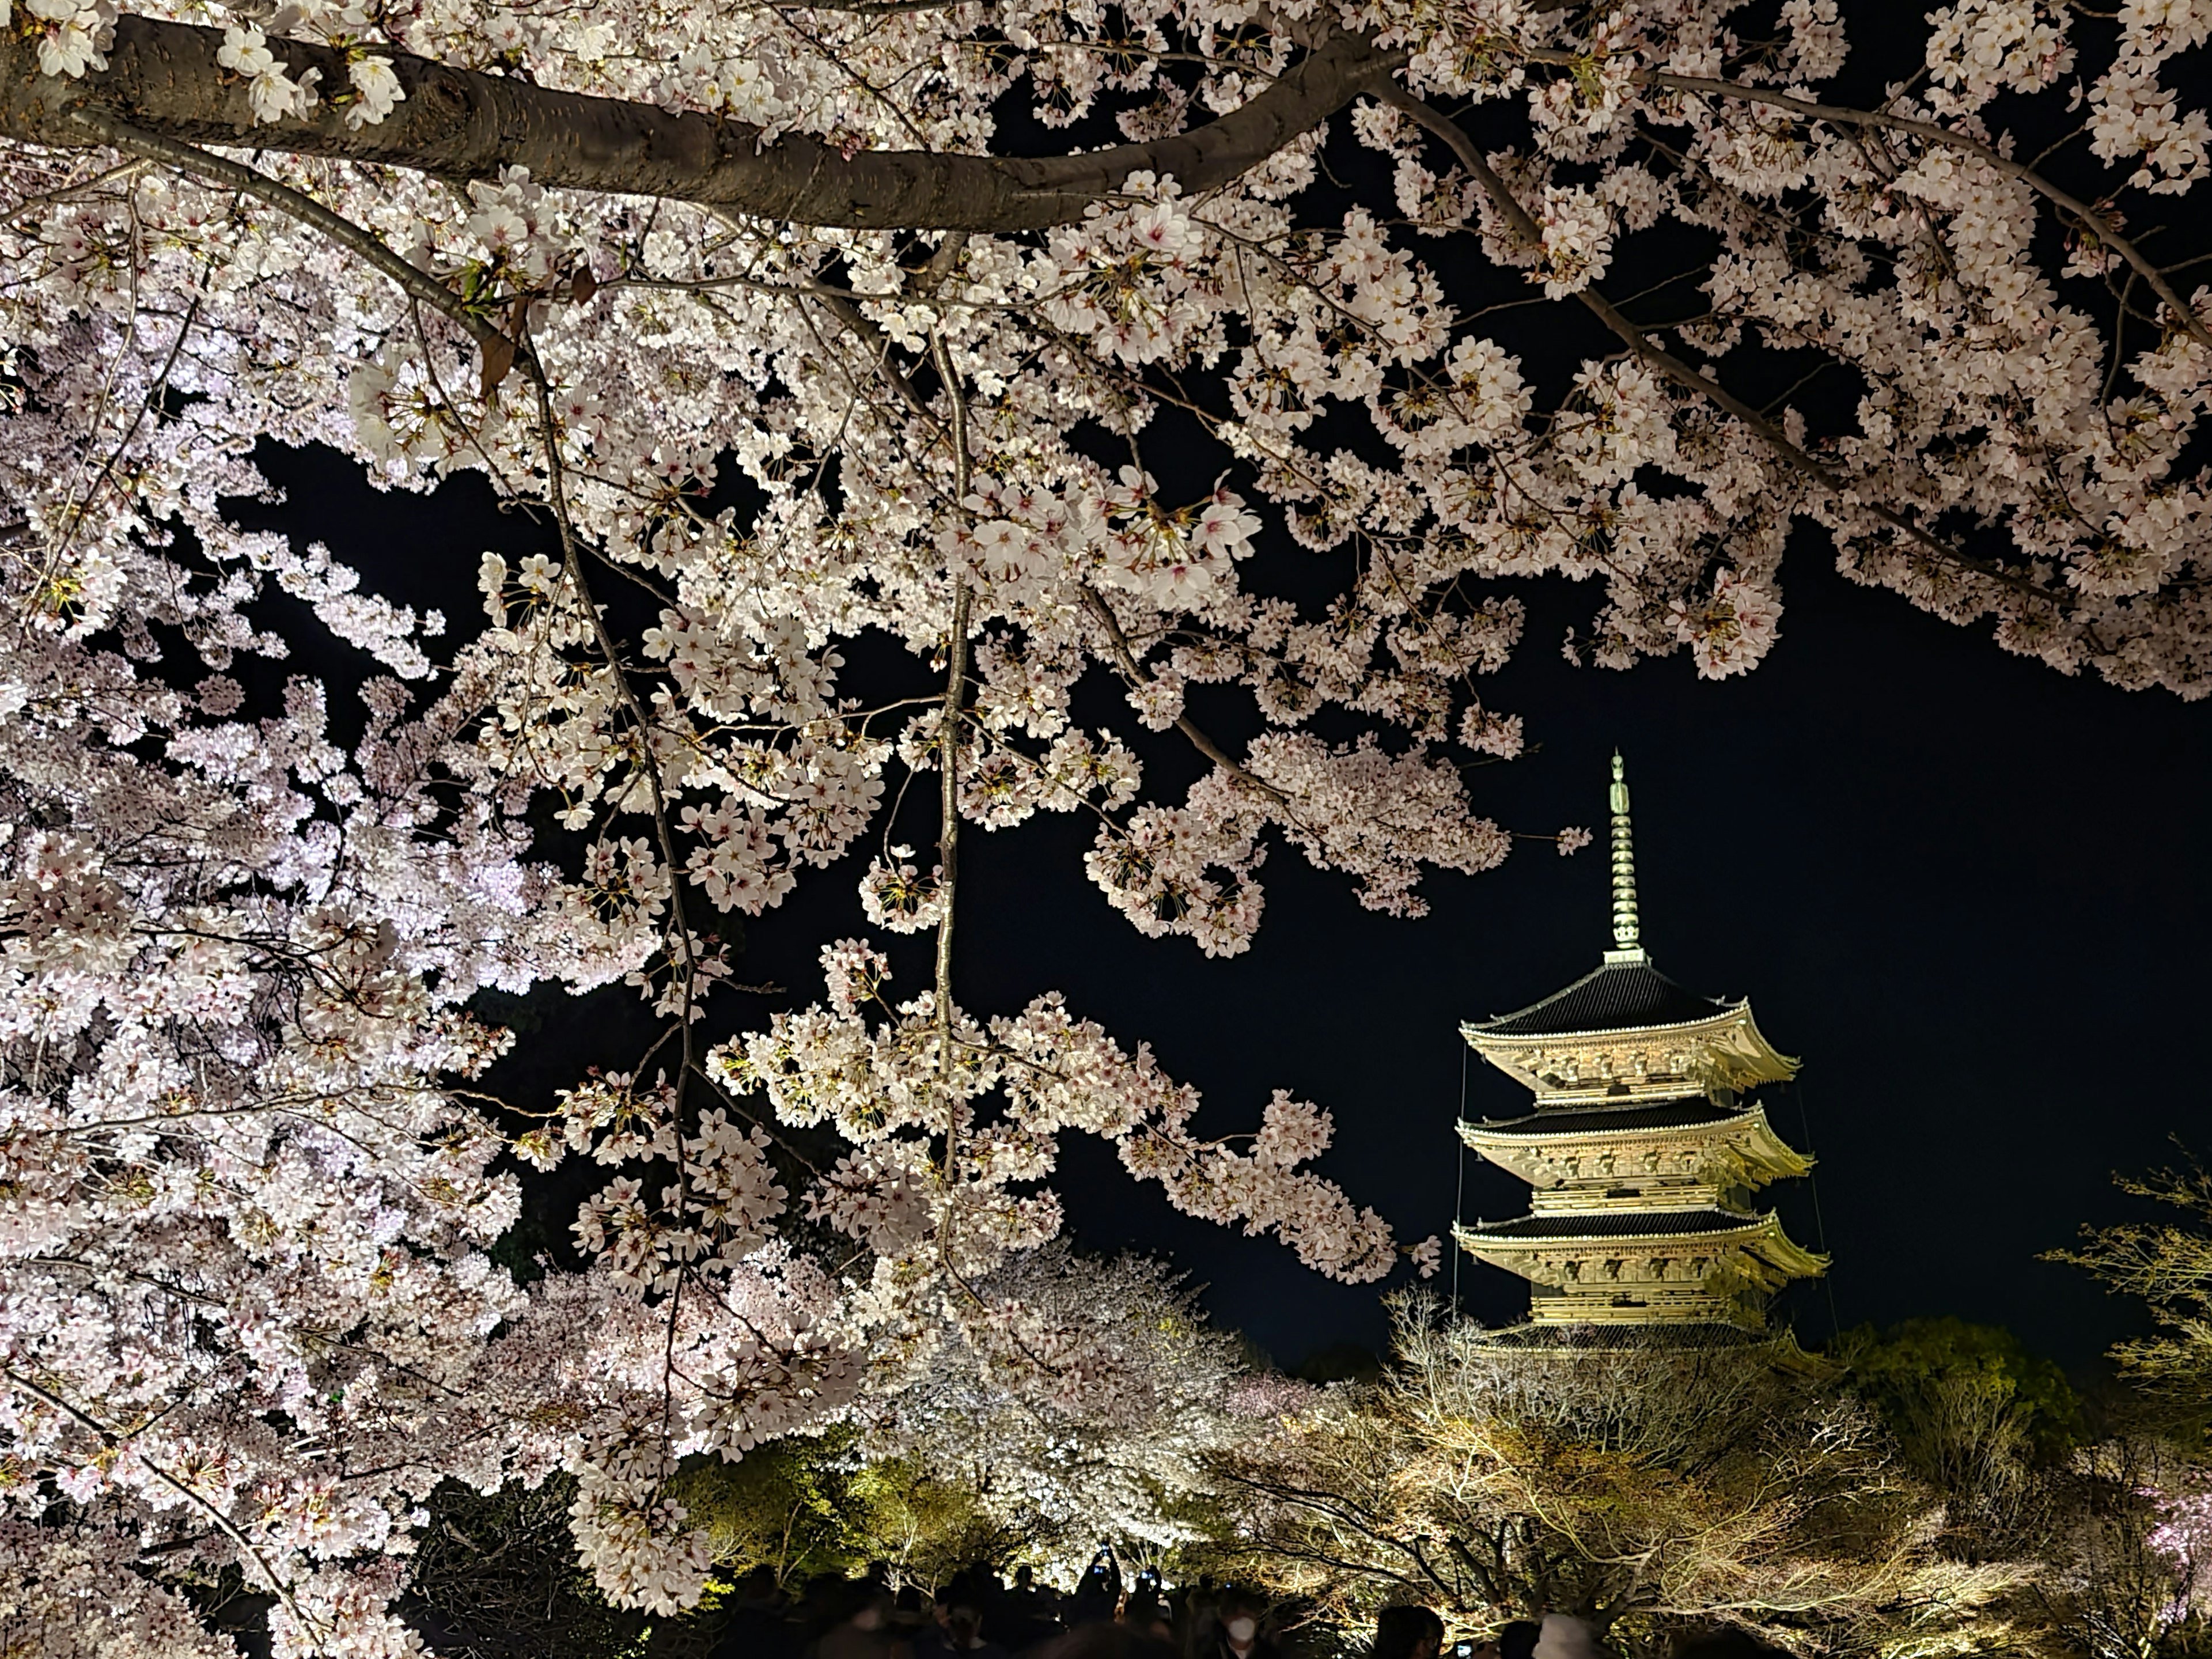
{"points": [[115, 1439], [1095, 603]]}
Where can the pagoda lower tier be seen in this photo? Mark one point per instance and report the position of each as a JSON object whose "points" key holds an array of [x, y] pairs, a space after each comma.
{"points": [[1632, 1266], [1643, 1213]]}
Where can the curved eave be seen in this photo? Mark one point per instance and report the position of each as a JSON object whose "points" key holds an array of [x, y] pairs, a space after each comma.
{"points": [[1487, 1134], [1791, 1257], [1480, 1037], [1779, 1155], [1738, 1054], [1768, 1064], [1776, 1158], [1762, 1235], [1477, 1237]]}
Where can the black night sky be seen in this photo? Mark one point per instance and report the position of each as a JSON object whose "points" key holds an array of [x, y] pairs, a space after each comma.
{"points": [[1971, 894], [1974, 895]]}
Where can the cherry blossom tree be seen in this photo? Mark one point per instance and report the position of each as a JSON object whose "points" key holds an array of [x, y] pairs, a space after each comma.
{"points": [[1096, 1426], [2135, 1574], [2127, 1570], [753, 307]]}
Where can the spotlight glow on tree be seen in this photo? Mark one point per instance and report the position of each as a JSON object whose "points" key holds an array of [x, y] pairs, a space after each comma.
{"points": [[614, 258]]}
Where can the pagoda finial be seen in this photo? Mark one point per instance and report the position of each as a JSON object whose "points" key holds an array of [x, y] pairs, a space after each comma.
{"points": [[1627, 936]]}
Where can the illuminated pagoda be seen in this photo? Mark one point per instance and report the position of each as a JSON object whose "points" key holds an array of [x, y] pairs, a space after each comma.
{"points": [[1645, 1148]]}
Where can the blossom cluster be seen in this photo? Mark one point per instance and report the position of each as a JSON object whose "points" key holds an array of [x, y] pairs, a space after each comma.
{"points": [[253, 1190]]}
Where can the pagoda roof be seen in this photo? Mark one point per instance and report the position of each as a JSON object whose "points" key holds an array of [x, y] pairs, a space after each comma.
{"points": [[1617, 996], [1693, 1112], [1625, 1223]]}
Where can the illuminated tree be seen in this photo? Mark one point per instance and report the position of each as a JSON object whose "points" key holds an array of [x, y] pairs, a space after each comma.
{"points": [[738, 302], [1648, 1489], [1095, 1424], [2134, 1559], [2128, 1570], [1979, 1418], [2169, 1265]]}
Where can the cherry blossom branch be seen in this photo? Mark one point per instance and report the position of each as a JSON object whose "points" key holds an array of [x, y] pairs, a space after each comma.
{"points": [[298, 204], [679, 924], [121, 172], [1287, 459], [556, 491], [1681, 374], [766, 1120], [115, 455], [1076, 787], [115, 1439], [1930, 132], [1096, 602], [838, 60], [290, 1105], [165, 79]]}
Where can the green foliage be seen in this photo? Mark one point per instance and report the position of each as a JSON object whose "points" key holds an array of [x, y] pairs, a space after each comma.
{"points": [[1977, 1417], [933, 1527], [1899, 1370], [1653, 1488], [809, 1506], [497, 1577], [798, 1507]]}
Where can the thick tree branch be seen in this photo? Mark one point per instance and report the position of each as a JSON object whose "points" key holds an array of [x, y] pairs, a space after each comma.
{"points": [[1849, 490], [162, 78]]}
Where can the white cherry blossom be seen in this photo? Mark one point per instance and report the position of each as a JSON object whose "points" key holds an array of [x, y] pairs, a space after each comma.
{"points": [[837, 539]]}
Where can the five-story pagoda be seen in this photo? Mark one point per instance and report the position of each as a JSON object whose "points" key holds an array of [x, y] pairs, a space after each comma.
{"points": [[1646, 1147]]}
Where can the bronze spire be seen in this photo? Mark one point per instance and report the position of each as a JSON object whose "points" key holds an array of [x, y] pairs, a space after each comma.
{"points": [[1628, 935]]}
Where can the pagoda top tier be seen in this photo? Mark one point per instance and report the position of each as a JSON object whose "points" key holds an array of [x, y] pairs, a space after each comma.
{"points": [[1626, 1032], [1621, 995]]}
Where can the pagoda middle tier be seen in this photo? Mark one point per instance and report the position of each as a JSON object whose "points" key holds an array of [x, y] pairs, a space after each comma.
{"points": [[1645, 1149]]}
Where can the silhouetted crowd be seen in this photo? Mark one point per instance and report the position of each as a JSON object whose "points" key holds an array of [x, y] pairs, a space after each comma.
{"points": [[976, 1616]]}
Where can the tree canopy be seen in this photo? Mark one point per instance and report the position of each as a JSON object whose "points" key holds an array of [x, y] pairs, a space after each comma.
{"points": [[866, 379]]}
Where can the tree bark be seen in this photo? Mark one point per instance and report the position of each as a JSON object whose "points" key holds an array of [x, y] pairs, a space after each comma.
{"points": [[463, 123]]}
